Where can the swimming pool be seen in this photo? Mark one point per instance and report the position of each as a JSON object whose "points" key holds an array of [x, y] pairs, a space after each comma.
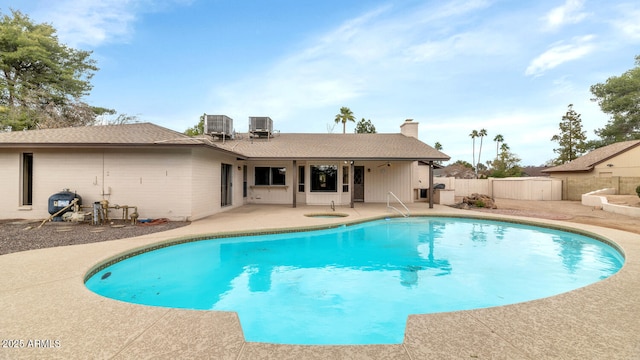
{"points": [[357, 284]]}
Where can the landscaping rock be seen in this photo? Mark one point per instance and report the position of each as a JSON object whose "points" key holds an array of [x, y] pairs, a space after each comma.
{"points": [[479, 201]]}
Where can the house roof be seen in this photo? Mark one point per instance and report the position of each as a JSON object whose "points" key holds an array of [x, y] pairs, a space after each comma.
{"points": [[106, 135], [334, 146], [534, 171], [282, 146], [588, 161]]}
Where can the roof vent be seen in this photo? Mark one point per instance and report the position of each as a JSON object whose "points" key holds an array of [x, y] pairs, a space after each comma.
{"points": [[260, 126], [218, 125]]}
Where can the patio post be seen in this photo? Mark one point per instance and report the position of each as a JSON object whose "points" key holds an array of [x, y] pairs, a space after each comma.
{"points": [[351, 173]]}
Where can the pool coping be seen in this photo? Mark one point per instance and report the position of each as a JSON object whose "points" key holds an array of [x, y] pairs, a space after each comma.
{"points": [[43, 294]]}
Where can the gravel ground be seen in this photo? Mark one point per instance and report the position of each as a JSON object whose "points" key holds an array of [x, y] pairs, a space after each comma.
{"points": [[21, 235], [572, 211]]}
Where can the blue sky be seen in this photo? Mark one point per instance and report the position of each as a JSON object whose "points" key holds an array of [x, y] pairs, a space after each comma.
{"points": [[510, 67]]}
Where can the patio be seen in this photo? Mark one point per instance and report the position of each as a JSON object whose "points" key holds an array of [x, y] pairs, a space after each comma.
{"points": [[47, 307]]}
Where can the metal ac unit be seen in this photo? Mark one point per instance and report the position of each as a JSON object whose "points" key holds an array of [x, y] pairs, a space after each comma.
{"points": [[218, 125], [260, 125]]}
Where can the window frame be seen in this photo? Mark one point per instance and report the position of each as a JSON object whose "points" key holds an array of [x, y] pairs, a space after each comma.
{"points": [[270, 176], [324, 174]]}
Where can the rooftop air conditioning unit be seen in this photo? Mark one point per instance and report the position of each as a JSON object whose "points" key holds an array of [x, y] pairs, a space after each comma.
{"points": [[218, 125], [260, 125]]}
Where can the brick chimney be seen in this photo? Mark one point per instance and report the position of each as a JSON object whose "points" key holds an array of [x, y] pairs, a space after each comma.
{"points": [[409, 128]]}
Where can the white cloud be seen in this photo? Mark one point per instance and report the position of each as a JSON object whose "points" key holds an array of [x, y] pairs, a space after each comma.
{"points": [[629, 24], [96, 22], [560, 53], [370, 54], [463, 44], [569, 13]]}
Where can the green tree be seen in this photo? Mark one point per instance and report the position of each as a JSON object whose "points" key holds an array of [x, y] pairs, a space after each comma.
{"points": [[345, 115], [619, 97], [41, 80], [365, 127], [118, 120], [474, 134], [464, 164], [481, 134], [498, 139], [438, 147], [571, 140], [198, 129], [506, 164]]}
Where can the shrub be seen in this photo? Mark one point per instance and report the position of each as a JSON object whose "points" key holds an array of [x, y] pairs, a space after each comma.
{"points": [[481, 203], [638, 190]]}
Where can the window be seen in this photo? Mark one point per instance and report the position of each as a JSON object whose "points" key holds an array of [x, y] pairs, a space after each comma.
{"points": [[270, 175], [27, 179], [345, 179], [300, 178], [225, 185], [324, 178], [244, 181]]}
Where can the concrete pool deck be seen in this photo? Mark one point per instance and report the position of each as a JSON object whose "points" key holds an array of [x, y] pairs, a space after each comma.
{"points": [[49, 313]]}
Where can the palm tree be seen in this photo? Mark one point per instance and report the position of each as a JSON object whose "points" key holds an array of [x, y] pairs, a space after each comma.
{"points": [[437, 146], [474, 135], [344, 116], [498, 139], [482, 133]]}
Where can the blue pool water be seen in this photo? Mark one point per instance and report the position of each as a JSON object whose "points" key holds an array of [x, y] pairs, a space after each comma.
{"points": [[358, 284]]}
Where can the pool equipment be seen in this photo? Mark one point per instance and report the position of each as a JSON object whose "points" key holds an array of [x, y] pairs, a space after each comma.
{"points": [[60, 203]]}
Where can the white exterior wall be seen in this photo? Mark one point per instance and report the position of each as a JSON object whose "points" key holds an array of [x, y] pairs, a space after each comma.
{"points": [[206, 183], [158, 182], [277, 194], [10, 188], [178, 184], [380, 179]]}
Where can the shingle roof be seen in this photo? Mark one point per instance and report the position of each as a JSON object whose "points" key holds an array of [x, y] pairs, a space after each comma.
{"points": [[125, 134], [595, 157], [335, 146], [282, 146]]}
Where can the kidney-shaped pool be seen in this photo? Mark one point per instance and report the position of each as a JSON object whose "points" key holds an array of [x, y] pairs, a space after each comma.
{"points": [[357, 284]]}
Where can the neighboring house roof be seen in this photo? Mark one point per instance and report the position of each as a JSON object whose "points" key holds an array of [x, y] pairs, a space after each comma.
{"points": [[588, 161], [534, 171], [282, 146], [334, 146]]}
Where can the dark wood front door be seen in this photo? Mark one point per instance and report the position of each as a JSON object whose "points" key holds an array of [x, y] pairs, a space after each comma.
{"points": [[358, 183]]}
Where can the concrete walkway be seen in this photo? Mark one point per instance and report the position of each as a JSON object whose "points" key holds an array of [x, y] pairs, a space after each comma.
{"points": [[47, 312]]}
